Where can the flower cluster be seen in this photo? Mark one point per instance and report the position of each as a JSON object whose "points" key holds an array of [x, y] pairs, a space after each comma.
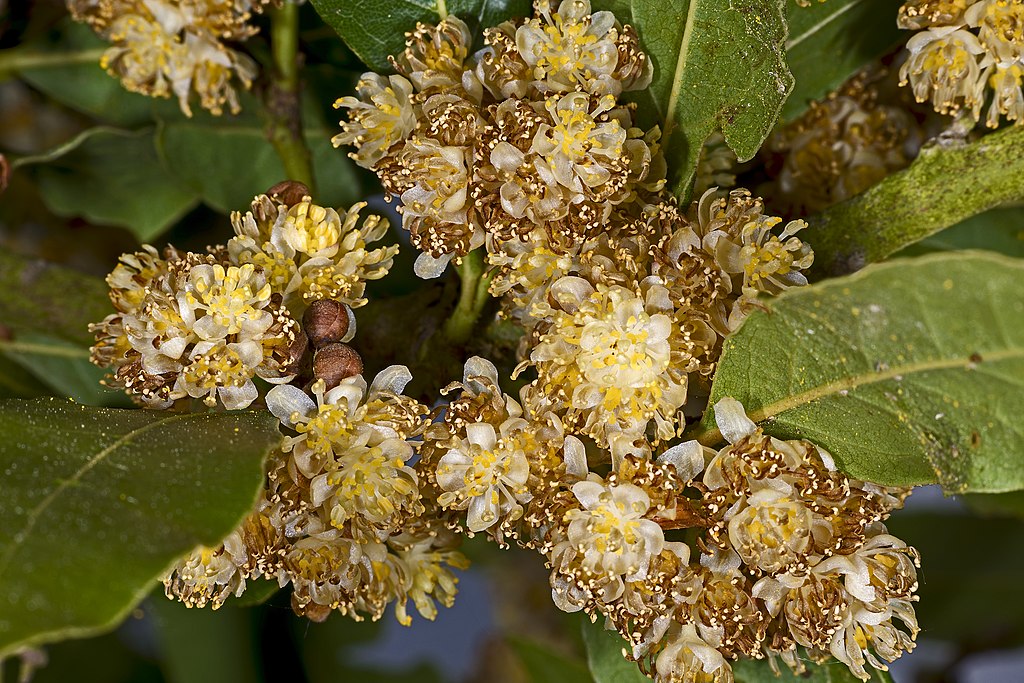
{"points": [[964, 51], [204, 325], [793, 554], [162, 48], [526, 135], [341, 519], [838, 148]]}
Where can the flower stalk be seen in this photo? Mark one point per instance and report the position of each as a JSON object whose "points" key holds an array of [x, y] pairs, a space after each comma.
{"points": [[282, 102], [16, 60], [473, 296]]}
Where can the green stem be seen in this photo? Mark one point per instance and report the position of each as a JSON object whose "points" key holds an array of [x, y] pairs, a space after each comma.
{"points": [[473, 296], [946, 184], [282, 101], [15, 60]]}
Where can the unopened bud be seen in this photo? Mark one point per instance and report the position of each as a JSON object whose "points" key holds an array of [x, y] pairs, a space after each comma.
{"points": [[335, 362], [327, 321], [289, 192]]}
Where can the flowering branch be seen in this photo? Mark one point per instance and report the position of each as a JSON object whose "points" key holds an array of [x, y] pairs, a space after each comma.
{"points": [[472, 298], [945, 185], [282, 105]]}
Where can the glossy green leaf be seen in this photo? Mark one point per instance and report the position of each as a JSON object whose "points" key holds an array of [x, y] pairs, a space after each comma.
{"points": [[112, 177], [1010, 504], [909, 372], [98, 503], [718, 64], [543, 664], [41, 297], [226, 161], [375, 29], [970, 588], [17, 382], [606, 656], [203, 644], [852, 33], [65, 368]]}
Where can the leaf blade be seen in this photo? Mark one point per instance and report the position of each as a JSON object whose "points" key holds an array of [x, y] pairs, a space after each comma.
{"points": [[718, 64], [893, 370], [121, 494]]}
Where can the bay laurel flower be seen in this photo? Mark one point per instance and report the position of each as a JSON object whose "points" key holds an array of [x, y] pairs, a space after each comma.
{"points": [[945, 66], [486, 474], [736, 232], [171, 47], [208, 576], [687, 658], [838, 148], [192, 326], [496, 145], [355, 461], [919, 14], [608, 536], [813, 540], [572, 49], [310, 252], [612, 360], [424, 559], [380, 117], [962, 51], [436, 204], [435, 56], [580, 151], [716, 165]]}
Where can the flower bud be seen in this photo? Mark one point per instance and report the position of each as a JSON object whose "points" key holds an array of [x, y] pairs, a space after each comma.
{"points": [[327, 321], [289, 192], [335, 362]]}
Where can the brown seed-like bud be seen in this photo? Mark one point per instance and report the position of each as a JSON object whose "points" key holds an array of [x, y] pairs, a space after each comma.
{"points": [[335, 362], [289, 192], [327, 321]]}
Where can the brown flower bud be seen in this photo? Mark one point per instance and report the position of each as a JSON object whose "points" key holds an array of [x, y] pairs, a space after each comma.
{"points": [[327, 321], [289, 192], [335, 362]]}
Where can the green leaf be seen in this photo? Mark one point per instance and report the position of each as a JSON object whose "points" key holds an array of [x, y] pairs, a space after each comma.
{"points": [[970, 589], [718, 64], [99, 502], [833, 671], [63, 367], [947, 183], [17, 382], [36, 296], [543, 664], [1000, 230], [605, 656], [1010, 504], [852, 33], [112, 177], [228, 160], [908, 372], [204, 645], [375, 29], [257, 592]]}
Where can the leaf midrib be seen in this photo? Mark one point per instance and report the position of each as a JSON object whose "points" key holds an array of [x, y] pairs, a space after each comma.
{"points": [[36, 513], [712, 437], [680, 72], [790, 44]]}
